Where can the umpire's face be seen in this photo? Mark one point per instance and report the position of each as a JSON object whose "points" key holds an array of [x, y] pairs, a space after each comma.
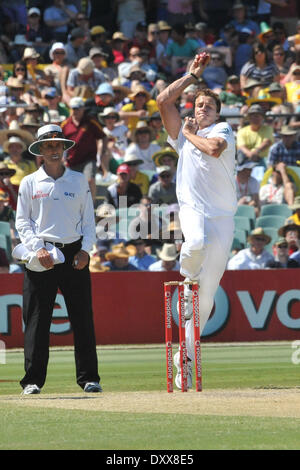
{"points": [[52, 150]]}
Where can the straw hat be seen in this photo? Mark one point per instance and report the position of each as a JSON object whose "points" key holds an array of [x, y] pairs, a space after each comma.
{"points": [[108, 112], [286, 130], [259, 233], [119, 36], [30, 53], [132, 159], [289, 227], [118, 251], [49, 133], [157, 156], [142, 126], [13, 140], [137, 90], [106, 211], [30, 121], [14, 82], [5, 169], [124, 90], [296, 205], [15, 130], [168, 252], [85, 66], [135, 68], [98, 29], [164, 26]]}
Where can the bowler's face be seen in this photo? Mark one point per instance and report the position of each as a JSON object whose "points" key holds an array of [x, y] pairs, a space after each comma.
{"points": [[205, 111]]}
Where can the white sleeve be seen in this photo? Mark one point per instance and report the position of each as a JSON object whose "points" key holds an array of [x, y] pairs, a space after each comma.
{"points": [[24, 224], [88, 225], [178, 143], [223, 130]]}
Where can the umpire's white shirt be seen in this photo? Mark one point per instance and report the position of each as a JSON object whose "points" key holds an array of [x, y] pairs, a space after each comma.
{"points": [[58, 210], [205, 183]]}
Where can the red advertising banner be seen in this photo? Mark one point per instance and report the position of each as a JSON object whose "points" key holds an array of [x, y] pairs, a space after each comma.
{"points": [[129, 308]]}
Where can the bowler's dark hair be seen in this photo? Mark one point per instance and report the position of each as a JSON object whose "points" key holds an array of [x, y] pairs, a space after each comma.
{"points": [[214, 96]]}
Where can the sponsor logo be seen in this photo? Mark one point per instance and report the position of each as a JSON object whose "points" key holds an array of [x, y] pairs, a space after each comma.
{"points": [[69, 194], [40, 194]]}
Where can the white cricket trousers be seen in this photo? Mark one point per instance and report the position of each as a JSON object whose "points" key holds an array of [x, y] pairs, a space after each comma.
{"points": [[203, 257]]}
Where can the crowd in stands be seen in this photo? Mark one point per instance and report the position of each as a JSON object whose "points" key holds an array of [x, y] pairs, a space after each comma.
{"points": [[96, 68]]}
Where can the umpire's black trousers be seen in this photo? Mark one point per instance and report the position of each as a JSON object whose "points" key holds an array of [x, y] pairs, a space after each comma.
{"points": [[39, 293]]}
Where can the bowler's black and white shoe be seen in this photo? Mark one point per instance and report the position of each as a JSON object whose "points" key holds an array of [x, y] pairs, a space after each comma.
{"points": [[92, 387], [31, 389]]}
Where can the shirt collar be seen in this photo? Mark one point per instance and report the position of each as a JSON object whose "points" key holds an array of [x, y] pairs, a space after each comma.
{"points": [[206, 130], [42, 175]]}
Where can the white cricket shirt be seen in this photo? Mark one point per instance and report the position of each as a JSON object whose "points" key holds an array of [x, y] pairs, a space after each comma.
{"points": [[203, 182], [58, 210]]}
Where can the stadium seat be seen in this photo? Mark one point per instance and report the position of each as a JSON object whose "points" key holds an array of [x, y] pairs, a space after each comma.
{"points": [[242, 223], [3, 244], [273, 233], [247, 211], [5, 230], [240, 235], [275, 221], [282, 210]]}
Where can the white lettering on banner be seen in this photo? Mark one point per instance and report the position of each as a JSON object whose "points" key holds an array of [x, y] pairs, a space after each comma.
{"points": [[257, 318], [8, 301], [296, 354], [283, 308], [2, 352]]}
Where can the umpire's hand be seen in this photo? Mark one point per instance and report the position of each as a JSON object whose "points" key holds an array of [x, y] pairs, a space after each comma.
{"points": [[45, 258], [81, 259]]}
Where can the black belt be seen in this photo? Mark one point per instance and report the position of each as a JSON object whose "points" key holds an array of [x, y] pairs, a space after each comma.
{"points": [[62, 245]]}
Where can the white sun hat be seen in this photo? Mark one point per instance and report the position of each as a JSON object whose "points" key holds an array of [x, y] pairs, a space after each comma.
{"points": [[48, 133]]}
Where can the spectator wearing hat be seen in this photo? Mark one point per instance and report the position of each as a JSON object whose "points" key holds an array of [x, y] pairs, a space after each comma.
{"points": [[180, 50], [137, 77], [148, 224], [123, 187], [294, 39], [86, 75], [136, 176], [103, 98], [287, 149], [118, 258], [291, 232], [164, 190], [141, 260], [141, 106], [166, 157], [16, 88], [155, 122], [255, 139], [252, 87], [247, 187], [58, 70], [295, 218], [132, 58], [39, 35], [99, 57], [241, 21], [35, 76], [106, 224], [164, 32], [52, 102], [118, 43], [273, 192], [97, 257], [215, 74], [281, 256], [129, 14], [6, 186], [254, 257], [14, 148], [259, 67], [59, 17], [142, 145], [7, 214], [168, 259], [89, 138], [4, 263], [232, 94], [140, 40], [99, 39], [292, 86]]}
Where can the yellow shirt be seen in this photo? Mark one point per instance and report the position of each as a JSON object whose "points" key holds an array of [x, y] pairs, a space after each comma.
{"points": [[142, 181], [293, 92], [252, 139], [294, 219], [151, 107], [23, 168]]}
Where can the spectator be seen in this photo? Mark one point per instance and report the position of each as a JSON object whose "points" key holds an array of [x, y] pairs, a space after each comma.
{"points": [[255, 139], [57, 71], [7, 215], [137, 76], [146, 64], [4, 263], [232, 95], [160, 134], [164, 40], [164, 190], [74, 48], [6, 186], [273, 192], [285, 12], [240, 20], [254, 257], [98, 38], [112, 127], [85, 75], [16, 92], [168, 259], [99, 57], [38, 34], [287, 149], [295, 218], [294, 40], [266, 35], [53, 102], [123, 187], [140, 40], [293, 86], [141, 260], [118, 43], [243, 50], [14, 147], [167, 156], [215, 74], [180, 12], [291, 232], [97, 257], [136, 176], [247, 187], [103, 98], [89, 138], [129, 14], [59, 17], [35, 76], [141, 106], [279, 59], [118, 259], [147, 225], [259, 67], [180, 50], [143, 146], [281, 256]]}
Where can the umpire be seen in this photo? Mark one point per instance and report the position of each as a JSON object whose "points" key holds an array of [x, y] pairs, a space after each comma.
{"points": [[55, 206]]}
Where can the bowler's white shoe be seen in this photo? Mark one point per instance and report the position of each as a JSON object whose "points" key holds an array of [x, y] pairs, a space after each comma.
{"points": [[31, 389], [178, 375], [92, 387]]}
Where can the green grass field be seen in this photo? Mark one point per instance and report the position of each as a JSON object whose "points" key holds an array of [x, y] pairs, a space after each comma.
{"points": [[250, 400]]}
